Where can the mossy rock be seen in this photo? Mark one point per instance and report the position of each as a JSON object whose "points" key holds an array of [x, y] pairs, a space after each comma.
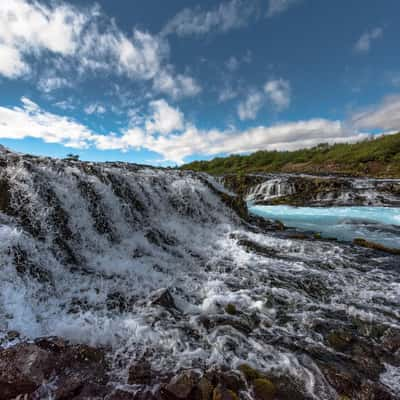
{"points": [[230, 309], [264, 389], [250, 373], [375, 246], [339, 340], [221, 393]]}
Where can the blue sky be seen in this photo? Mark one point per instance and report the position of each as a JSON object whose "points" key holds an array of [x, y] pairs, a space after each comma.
{"points": [[141, 82]]}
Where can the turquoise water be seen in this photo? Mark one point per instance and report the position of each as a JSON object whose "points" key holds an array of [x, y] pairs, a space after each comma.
{"points": [[377, 224]]}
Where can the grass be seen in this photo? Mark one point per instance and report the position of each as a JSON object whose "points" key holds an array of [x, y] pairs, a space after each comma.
{"points": [[374, 157]]}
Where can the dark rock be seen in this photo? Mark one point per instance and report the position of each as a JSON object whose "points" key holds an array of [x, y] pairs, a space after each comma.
{"points": [[221, 393], [24, 367], [264, 389], [375, 246], [230, 309], [140, 374], [163, 298], [4, 195], [182, 386], [252, 247]]}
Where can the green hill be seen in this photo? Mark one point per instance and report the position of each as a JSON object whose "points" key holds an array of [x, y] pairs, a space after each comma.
{"points": [[375, 157]]}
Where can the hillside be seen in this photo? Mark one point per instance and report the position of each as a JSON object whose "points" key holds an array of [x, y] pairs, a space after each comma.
{"points": [[379, 158]]}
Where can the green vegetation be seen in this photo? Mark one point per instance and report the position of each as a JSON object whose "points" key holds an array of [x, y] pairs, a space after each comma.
{"points": [[374, 157]]}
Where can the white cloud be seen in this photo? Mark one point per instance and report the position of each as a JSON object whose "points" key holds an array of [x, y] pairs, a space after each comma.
{"points": [[226, 16], [363, 44], [30, 121], [95, 108], [176, 86], [165, 131], [279, 6], [383, 117], [82, 40], [165, 119], [11, 63], [249, 108], [279, 93], [48, 84]]}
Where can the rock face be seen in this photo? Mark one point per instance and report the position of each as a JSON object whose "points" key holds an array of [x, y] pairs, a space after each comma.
{"points": [[307, 190]]}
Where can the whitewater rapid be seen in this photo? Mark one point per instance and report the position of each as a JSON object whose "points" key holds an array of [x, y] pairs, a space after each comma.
{"points": [[86, 249]]}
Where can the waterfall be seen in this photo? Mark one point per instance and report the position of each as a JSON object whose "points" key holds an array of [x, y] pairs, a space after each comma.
{"points": [[146, 262], [270, 189]]}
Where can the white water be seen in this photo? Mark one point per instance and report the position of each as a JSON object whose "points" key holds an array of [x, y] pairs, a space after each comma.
{"points": [[134, 231], [377, 224]]}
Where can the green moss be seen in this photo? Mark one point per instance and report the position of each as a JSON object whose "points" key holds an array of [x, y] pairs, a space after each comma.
{"points": [[264, 389], [250, 373], [230, 309]]}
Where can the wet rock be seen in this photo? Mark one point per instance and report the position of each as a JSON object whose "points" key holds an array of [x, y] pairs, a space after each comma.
{"points": [[117, 301], [252, 247], [27, 269], [242, 323], [182, 386], [375, 246], [4, 195], [163, 298], [340, 340], [391, 340], [264, 389], [24, 367], [205, 389], [230, 309], [221, 393], [250, 373], [140, 374]]}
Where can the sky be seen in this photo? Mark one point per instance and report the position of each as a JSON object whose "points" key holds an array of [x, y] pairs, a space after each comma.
{"points": [[167, 82]]}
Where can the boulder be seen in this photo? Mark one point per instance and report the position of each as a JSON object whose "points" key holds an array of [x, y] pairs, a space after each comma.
{"points": [[75, 368]]}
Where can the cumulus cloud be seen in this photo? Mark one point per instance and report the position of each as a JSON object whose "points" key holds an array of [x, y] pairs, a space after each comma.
{"points": [[383, 117], [363, 45], [165, 131], [176, 86], [223, 18], [279, 6], [11, 62], [249, 108], [165, 119], [30, 120], [279, 93], [86, 41]]}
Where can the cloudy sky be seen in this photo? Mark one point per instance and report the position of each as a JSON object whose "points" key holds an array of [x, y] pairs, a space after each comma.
{"points": [[166, 82]]}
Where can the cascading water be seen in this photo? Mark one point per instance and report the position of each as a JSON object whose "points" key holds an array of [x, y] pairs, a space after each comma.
{"points": [[86, 251]]}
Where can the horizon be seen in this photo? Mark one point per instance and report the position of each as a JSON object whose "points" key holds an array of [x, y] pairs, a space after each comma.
{"points": [[118, 82]]}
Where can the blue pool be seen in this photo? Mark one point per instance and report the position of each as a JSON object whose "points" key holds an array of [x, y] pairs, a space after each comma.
{"points": [[377, 224]]}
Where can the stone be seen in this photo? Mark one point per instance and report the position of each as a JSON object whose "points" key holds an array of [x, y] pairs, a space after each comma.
{"points": [[140, 374], [264, 389], [181, 386], [25, 366], [221, 393], [163, 298]]}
